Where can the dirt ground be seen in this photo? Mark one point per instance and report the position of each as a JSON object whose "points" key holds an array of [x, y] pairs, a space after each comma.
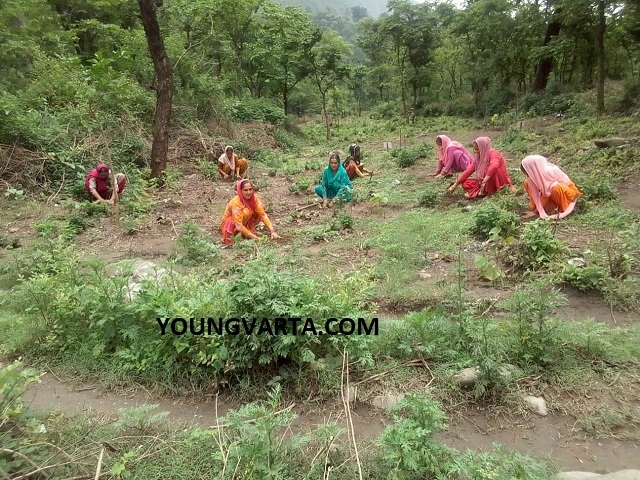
{"points": [[552, 437]]}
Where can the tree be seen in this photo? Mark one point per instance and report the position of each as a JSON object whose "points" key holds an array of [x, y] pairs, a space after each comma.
{"points": [[546, 61], [163, 87], [328, 67], [287, 37], [602, 26]]}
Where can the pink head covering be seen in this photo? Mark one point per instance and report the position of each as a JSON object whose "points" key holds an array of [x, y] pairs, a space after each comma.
{"points": [[543, 176], [482, 160], [446, 143]]}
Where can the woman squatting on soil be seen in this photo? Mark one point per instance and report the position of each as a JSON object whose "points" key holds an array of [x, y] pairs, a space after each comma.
{"points": [[243, 214], [100, 182]]}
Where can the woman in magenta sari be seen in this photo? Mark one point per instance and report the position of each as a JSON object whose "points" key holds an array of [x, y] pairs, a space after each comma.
{"points": [[490, 169], [452, 157], [99, 184]]}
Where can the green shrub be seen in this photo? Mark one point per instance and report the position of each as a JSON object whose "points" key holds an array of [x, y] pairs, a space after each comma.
{"points": [[258, 109], [492, 220], [341, 221], [199, 248], [429, 198], [300, 185], [590, 277], [14, 381], [596, 188], [408, 156], [538, 246]]}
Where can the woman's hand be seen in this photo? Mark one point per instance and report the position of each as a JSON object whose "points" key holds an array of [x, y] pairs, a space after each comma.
{"points": [[530, 214], [324, 203], [274, 235], [452, 188], [437, 175]]}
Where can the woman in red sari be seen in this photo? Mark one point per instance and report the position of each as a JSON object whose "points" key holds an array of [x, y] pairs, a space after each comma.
{"points": [[490, 169], [243, 214]]}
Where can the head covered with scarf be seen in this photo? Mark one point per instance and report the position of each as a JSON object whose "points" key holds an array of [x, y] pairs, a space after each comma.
{"points": [[102, 186], [482, 159], [446, 143], [543, 176]]}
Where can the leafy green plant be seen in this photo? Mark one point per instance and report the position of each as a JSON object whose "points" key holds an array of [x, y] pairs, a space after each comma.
{"points": [[538, 246], [300, 185], [487, 268], [492, 220], [14, 193], [341, 221], [14, 381], [590, 277], [198, 248], [536, 341], [409, 448], [429, 198]]}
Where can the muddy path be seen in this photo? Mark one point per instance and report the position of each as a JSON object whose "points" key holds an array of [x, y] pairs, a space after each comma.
{"points": [[553, 437]]}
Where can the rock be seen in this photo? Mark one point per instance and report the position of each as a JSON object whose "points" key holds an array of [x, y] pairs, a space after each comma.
{"points": [[508, 372], [424, 274], [577, 475], [577, 262], [467, 208], [610, 142], [467, 377], [141, 271], [387, 401], [536, 405]]}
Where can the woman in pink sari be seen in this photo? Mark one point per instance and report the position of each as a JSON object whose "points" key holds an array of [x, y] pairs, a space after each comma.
{"points": [[551, 192], [99, 184], [452, 157], [490, 169]]}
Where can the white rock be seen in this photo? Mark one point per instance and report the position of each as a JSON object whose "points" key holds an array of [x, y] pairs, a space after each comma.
{"points": [[467, 377], [577, 262], [536, 405], [387, 401], [141, 271]]}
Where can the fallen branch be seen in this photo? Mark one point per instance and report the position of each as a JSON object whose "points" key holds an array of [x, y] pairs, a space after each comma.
{"points": [[99, 467]]}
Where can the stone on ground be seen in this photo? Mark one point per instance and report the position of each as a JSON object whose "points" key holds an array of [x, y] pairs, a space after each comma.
{"points": [[387, 401], [467, 377], [536, 405]]}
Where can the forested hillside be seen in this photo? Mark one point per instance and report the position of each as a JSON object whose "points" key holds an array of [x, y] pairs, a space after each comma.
{"points": [[372, 8]]}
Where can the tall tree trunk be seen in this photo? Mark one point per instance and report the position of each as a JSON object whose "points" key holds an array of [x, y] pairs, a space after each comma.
{"points": [[602, 25], [546, 63], [326, 115], [160, 146]]}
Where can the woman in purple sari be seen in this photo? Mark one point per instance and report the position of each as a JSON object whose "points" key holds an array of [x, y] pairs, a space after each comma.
{"points": [[452, 157]]}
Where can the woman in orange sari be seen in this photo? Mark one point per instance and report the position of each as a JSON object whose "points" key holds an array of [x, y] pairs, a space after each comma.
{"points": [[243, 214], [230, 165], [551, 192]]}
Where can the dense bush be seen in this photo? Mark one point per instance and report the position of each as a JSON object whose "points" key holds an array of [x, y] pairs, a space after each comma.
{"points": [[407, 156], [490, 219], [258, 109]]}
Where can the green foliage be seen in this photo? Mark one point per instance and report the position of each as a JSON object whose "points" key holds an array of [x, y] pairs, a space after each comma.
{"points": [[406, 157], [538, 246], [198, 248], [300, 185], [408, 445], [341, 221], [492, 220], [587, 278], [487, 268], [257, 109], [139, 420], [596, 188], [536, 339], [429, 198], [14, 381]]}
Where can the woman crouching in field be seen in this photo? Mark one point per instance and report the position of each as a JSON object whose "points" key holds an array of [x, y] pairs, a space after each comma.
{"points": [[353, 164], [551, 192], [452, 157], [243, 214], [230, 165], [99, 184], [335, 183], [490, 169]]}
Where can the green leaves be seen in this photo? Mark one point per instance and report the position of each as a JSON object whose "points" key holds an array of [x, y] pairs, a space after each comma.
{"points": [[487, 268]]}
